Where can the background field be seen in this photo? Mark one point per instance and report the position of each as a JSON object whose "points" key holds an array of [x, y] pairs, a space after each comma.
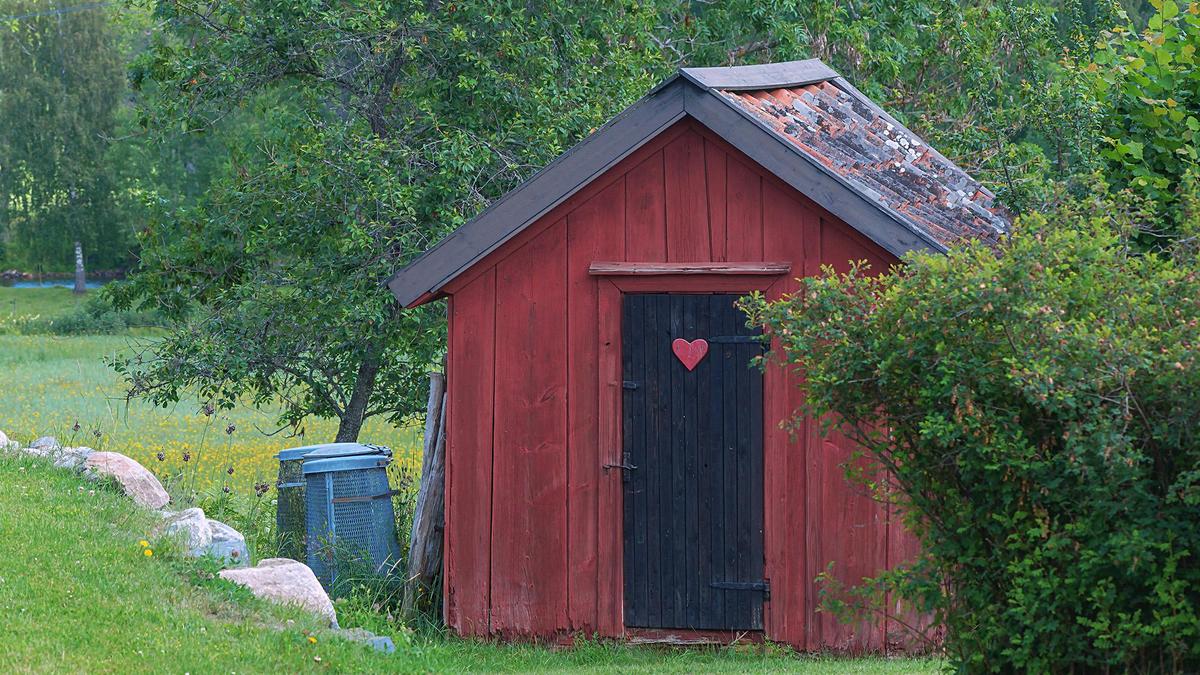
{"points": [[49, 383]]}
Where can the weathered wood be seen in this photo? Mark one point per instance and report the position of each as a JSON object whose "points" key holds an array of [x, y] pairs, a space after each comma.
{"points": [[425, 541], [80, 275], [629, 269], [589, 236], [688, 234], [472, 369]]}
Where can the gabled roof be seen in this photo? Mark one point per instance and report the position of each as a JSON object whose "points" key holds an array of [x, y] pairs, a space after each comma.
{"points": [[800, 120]]}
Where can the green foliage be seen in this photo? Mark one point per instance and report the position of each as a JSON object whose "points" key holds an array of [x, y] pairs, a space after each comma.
{"points": [[1149, 86], [981, 81], [95, 316], [60, 83], [1036, 407]]}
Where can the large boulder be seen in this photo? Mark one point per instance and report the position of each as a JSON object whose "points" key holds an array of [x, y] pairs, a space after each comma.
{"points": [[287, 582], [228, 544], [137, 482], [191, 526]]}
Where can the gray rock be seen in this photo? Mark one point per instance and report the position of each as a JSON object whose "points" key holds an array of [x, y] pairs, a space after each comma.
{"points": [[191, 526], [228, 544], [287, 582], [72, 458], [137, 482], [380, 643], [45, 444]]}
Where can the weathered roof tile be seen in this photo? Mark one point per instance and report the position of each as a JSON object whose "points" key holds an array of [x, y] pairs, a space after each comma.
{"points": [[881, 160]]}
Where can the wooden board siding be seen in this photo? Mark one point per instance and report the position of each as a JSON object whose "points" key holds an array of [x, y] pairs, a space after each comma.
{"points": [[533, 517], [471, 365], [529, 463]]}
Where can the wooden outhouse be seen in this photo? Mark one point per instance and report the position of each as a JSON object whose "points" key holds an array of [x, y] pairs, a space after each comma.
{"points": [[614, 464]]}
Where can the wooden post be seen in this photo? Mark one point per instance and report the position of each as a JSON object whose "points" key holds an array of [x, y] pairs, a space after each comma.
{"points": [[80, 275], [425, 542]]}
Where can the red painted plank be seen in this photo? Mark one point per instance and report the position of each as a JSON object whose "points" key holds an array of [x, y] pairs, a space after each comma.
{"points": [[846, 525], [781, 229], [646, 211], [688, 234], [529, 528], [611, 582], [628, 269], [594, 230], [469, 457], [746, 202], [714, 163]]}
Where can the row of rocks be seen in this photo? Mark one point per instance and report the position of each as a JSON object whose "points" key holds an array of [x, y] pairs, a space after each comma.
{"points": [[275, 579]]}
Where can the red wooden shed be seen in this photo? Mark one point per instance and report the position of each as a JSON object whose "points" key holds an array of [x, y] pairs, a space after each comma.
{"points": [[614, 465]]}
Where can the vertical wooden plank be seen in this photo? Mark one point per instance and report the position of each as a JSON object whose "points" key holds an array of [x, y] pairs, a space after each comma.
{"points": [[529, 542], [610, 582], [672, 479], [469, 458], [694, 611], [594, 232], [653, 457], [635, 533], [731, 438], [688, 233], [757, 478], [745, 208], [785, 517], [715, 160], [714, 451], [646, 211]]}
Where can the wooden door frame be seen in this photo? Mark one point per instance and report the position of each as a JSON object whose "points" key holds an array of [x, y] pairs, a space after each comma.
{"points": [[611, 288]]}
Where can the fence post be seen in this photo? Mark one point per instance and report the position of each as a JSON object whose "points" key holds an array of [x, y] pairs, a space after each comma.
{"points": [[425, 542]]}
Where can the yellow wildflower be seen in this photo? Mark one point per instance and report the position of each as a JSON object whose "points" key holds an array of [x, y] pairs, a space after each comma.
{"points": [[312, 639], [144, 544], [148, 553]]}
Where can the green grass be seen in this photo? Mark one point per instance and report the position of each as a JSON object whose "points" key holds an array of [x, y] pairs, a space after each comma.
{"points": [[40, 302], [77, 594], [51, 383]]}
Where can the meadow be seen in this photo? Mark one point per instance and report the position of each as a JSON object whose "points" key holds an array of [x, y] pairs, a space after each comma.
{"points": [[60, 386]]}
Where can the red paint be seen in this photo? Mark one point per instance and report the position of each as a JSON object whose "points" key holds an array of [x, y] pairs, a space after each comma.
{"points": [[690, 353], [534, 521]]}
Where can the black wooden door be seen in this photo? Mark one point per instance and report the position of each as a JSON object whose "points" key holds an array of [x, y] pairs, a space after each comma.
{"points": [[693, 496]]}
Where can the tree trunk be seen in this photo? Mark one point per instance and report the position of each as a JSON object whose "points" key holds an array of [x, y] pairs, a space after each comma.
{"points": [[80, 276], [425, 541], [352, 419]]}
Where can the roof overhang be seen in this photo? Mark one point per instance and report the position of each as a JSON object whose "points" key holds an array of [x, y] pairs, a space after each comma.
{"points": [[692, 93]]}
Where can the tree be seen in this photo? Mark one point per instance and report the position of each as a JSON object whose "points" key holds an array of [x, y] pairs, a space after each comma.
{"points": [[395, 123], [386, 125], [61, 79], [1149, 86]]}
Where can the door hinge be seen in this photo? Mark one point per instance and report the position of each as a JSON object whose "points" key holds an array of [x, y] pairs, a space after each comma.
{"points": [[763, 586]]}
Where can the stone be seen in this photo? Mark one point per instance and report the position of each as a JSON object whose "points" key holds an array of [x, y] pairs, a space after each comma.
{"points": [[72, 458], [380, 643], [137, 482], [46, 443], [191, 526], [287, 582], [228, 544]]}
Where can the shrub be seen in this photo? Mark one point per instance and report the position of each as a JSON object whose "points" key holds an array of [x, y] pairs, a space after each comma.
{"points": [[1037, 408], [96, 317]]}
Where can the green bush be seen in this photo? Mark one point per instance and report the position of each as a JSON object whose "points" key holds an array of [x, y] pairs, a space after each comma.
{"points": [[1038, 410], [96, 317]]}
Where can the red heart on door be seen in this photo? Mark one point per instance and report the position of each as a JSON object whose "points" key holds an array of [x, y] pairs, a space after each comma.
{"points": [[690, 353]]}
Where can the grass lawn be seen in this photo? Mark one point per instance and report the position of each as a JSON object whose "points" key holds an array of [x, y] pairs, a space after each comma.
{"points": [[43, 302], [51, 383], [77, 594]]}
